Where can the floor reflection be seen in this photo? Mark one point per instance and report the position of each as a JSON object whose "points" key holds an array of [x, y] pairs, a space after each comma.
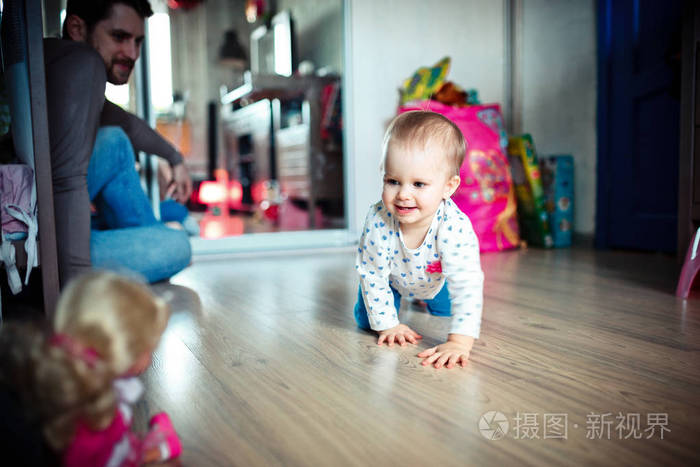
{"points": [[285, 217], [213, 226]]}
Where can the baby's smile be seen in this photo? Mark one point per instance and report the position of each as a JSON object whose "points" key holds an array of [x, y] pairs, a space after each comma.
{"points": [[403, 210]]}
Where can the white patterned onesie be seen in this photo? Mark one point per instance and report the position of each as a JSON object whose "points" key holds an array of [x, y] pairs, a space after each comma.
{"points": [[449, 254]]}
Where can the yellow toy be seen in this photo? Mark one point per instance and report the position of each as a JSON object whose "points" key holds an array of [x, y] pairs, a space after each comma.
{"points": [[425, 82]]}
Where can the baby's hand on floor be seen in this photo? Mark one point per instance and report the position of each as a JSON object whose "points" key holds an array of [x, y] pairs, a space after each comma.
{"points": [[400, 333], [455, 350]]}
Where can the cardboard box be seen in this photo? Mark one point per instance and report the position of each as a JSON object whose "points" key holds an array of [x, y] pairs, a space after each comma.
{"points": [[558, 184]]}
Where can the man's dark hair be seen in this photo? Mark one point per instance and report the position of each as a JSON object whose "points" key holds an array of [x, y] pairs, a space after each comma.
{"points": [[94, 11]]}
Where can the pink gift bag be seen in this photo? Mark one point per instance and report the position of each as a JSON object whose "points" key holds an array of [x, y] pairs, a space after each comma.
{"points": [[486, 192]]}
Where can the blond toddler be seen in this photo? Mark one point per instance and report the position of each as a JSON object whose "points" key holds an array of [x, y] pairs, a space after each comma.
{"points": [[417, 244]]}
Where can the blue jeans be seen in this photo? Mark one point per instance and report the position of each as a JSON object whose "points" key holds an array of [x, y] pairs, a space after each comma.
{"points": [[440, 305], [126, 236], [171, 210]]}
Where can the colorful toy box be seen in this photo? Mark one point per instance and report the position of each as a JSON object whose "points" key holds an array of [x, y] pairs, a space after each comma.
{"points": [[532, 216], [558, 184]]}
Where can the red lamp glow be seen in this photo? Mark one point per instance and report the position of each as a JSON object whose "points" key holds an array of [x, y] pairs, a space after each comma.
{"points": [[211, 192], [184, 4], [235, 193], [259, 191]]}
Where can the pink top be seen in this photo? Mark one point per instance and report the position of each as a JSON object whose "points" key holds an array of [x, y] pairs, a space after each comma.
{"points": [[98, 448], [116, 445]]}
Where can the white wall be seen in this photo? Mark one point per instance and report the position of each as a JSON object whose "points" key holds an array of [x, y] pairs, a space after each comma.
{"points": [[388, 40], [318, 28], [558, 65]]}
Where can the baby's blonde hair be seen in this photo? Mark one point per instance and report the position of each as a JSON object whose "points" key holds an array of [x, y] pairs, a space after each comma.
{"points": [[116, 318], [426, 130]]}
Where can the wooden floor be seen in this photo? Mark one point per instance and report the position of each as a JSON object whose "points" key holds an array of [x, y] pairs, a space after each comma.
{"points": [[262, 364]]}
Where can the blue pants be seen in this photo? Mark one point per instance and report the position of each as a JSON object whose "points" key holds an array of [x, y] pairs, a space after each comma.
{"points": [[438, 306], [126, 236], [171, 210]]}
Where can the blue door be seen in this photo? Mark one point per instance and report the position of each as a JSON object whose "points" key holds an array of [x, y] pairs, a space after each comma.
{"points": [[638, 124]]}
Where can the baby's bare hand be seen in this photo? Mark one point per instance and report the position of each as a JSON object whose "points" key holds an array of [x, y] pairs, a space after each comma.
{"points": [[455, 351], [400, 334]]}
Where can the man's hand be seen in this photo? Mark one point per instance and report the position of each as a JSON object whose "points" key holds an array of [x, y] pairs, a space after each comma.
{"points": [[455, 350], [183, 183], [400, 333]]}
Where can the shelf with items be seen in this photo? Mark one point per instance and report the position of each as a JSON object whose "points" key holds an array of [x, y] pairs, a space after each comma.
{"points": [[294, 140]]}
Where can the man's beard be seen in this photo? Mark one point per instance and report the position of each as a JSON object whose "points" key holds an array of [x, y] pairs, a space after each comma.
{"points": [[120, 78]]}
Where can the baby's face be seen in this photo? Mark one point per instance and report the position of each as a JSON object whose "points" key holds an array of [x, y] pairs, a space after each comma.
{"points": [[415, 182]]}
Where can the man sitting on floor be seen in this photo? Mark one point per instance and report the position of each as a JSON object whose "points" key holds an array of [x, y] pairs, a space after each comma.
{"points": [[92, 148]]}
